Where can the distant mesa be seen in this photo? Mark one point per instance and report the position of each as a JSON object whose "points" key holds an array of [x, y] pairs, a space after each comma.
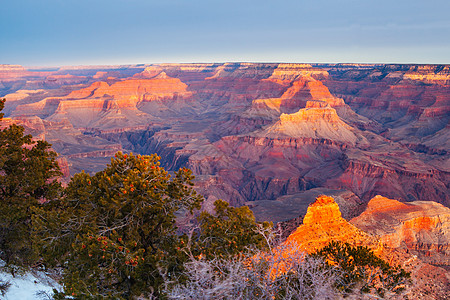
{"points": [[313, 112], [291, 72], [152, 72], [303, 92], [87, 107], [12, 71], [306, 89], [318, 120]]}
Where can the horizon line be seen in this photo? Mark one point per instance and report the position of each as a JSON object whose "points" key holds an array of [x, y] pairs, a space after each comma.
{"points": [[31, 67]]}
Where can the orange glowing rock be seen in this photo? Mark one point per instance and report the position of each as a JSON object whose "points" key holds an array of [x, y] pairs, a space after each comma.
{"points": [[318, 120], [322, 223], [420, 227]]}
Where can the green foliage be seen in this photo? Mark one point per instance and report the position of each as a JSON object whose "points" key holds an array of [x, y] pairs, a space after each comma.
{"points": [[362, 269], [114, 232], [230, 231], [28, 172]]}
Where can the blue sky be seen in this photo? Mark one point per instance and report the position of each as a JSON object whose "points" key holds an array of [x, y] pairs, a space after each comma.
{"points": [[86, 32]]}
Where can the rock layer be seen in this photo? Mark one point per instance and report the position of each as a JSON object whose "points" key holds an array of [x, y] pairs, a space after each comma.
{"points": [[423, 228], [322, 223], [253, 131]]}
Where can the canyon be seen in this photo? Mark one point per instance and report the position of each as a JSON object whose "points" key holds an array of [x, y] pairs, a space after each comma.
{"points": [[273, 137], [252, 133]]}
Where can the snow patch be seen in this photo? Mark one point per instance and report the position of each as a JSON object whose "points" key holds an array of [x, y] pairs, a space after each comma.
{"points": [[29, 286]]}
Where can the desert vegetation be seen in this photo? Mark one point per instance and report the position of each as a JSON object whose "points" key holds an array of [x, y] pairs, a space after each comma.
{"points": [[114, 235], [28, 177]]}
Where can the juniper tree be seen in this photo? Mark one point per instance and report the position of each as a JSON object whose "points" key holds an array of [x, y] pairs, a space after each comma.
{"points": [[362, 269], [113, 233], [28, 172], [229, 231]]}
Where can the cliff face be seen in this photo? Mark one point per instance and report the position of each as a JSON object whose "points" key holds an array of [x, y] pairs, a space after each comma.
{"points": [[422, 228], [251, 132], [322, 223], [413, 100], [315, 121]]}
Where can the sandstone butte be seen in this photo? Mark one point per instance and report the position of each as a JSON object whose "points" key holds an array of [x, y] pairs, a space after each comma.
{"points": [[318, 120], [323, 222]]}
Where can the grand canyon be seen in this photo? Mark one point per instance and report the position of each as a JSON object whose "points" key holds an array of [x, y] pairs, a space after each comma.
{"points": [[261, 134], [373, 138]]}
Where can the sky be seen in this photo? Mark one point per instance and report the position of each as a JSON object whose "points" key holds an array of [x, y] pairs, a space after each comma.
{"points": [[99, 32]]}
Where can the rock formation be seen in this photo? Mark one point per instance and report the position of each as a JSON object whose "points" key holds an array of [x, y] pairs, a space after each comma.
{"points": [[413, 100], [420, 227], [323, 222], [252, 132], [313, 122]]}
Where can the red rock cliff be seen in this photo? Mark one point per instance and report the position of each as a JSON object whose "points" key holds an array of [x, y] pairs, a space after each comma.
{"points": [[421, 227]]}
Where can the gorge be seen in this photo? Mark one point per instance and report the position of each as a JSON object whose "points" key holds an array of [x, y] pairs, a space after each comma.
{"points": [[273, 137], [252, 133]]}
